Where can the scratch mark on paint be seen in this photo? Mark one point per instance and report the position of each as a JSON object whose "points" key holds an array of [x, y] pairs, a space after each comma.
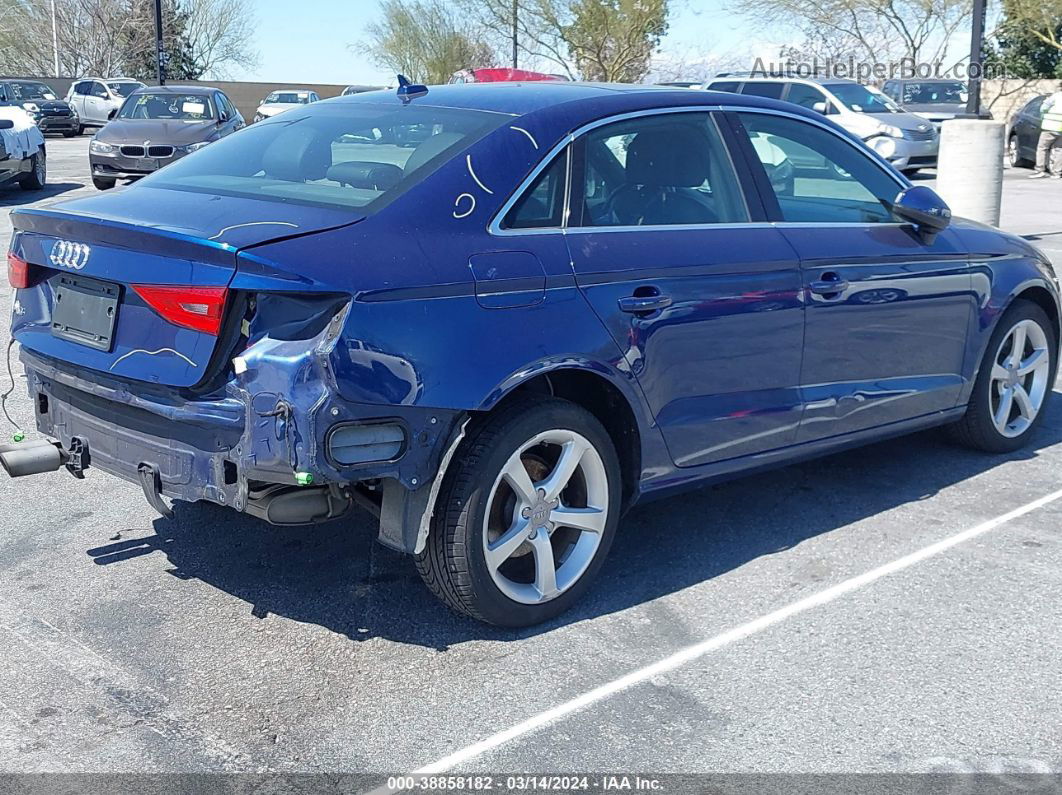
{"points": [[534, 143], [253, 223], [471, 206], [152, 353], [468, 160]]}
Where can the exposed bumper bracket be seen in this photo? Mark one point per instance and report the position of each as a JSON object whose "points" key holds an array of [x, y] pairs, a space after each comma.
{"points": [[151, 483]]}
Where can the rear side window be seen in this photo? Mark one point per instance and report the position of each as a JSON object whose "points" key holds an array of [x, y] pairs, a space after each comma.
{"points": [[804, 95], [84, 88], [542, 205], [816, 175], [670, 169], [764, 89], [357, 156], [732, 86]]}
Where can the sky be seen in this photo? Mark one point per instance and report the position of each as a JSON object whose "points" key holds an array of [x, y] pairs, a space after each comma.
{"points": [[323, 41]]}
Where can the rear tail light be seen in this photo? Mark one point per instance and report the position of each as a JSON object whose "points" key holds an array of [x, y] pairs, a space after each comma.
{"points": [[197, 308], [21, 274]]}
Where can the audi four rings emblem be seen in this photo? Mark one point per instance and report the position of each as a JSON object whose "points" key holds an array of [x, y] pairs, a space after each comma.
{"points": [[70, 255]]}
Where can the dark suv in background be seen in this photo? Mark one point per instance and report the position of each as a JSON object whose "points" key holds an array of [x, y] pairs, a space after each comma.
{"points": [[39, 100], [1024, 132]]}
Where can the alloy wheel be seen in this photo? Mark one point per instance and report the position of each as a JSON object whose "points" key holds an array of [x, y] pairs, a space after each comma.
{"points": [[546, 514], [1012, 151], [1020, 371], [40, 168]]}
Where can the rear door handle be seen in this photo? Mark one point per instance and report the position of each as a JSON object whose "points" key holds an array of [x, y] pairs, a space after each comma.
{"points": [[830, 284], [642, 304]]}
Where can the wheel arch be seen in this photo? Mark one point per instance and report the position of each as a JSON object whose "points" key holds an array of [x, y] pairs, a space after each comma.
{"points": [[592, 386]]}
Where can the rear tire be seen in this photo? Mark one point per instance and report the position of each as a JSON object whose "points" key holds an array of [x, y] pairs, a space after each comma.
{"points": [[38, 176], [1011, 393], [103, 184], [499, 549], [1014, 154]]}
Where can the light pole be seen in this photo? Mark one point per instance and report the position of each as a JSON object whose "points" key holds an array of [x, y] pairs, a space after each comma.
{"points": [[977, 45], [55, 41], [516, 33], [158, 43]]}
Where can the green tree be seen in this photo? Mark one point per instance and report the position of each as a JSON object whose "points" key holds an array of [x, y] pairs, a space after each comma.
{"points": [[140, 59], [425, 41], [1028, 41], [614, 40]]}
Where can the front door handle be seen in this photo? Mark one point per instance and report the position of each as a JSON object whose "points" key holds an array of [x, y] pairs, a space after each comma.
{"points": [[643, 304], [830, 285]]}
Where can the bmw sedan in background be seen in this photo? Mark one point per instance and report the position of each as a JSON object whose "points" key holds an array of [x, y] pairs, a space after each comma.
{"points": [[563, 300], [156, 126], [49, 113], [286, 99]]}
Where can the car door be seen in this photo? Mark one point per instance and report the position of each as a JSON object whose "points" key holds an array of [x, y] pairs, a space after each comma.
{"points": [[886, 310], [701, 296], [96, 105], [77, 97]]}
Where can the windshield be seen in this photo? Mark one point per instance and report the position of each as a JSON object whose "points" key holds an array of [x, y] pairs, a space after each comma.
{"points": [[287, 98], [359, 157], [28, 91], [935, 93], [124, 89], [863, 99], [183, 107]]}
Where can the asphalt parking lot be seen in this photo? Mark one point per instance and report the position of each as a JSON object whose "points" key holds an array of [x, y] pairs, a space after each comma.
{"points": [[818, 628]]}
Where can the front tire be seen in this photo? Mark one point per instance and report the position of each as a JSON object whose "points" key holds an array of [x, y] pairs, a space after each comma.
{"points": [[526, 514], [1014, 154], [1014, 383], [38, 176]]}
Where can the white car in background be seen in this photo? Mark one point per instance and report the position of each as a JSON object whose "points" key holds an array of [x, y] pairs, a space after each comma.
{"points": [[282, 100]]}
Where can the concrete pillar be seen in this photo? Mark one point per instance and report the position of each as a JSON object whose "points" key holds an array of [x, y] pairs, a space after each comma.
{"points": [[970, 168]]}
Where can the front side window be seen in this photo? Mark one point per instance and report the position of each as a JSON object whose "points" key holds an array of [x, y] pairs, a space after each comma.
{"points": [[816, 175], [179, 107], [99, 90], [357, 156], [83, 88], [805, 96], [730, 86], [655, 171], [863, 99]]}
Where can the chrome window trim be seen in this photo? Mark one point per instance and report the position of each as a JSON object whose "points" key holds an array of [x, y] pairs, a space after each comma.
{"points": [[495, 228]]}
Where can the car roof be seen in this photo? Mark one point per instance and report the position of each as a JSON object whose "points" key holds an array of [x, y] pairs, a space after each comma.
{"points": [[570, 104], [745, 77], [175, 90]]}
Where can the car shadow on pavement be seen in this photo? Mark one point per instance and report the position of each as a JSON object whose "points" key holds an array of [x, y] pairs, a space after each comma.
{"points": [[336, 576], [14, 196]]}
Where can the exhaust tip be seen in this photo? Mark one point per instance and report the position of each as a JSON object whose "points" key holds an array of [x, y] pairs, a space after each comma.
{"points": [[31, 458]]}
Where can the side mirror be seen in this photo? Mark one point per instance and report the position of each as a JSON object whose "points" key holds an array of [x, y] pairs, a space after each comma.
{"points": [[113, 112], [6, 124], [923, 208], [821, 107]]}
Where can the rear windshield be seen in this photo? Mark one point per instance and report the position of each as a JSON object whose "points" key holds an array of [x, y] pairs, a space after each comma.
{"points": [[953, 93], [182, 107], [336, 155]]}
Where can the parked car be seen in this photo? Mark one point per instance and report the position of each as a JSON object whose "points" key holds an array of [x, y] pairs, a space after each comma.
{"points": [[285, 99], [22, 155], [560, 303], [907, 141], [39, 100], [1023, 133], [936, 99], [502, 75], [94, 99], [157, 126]]}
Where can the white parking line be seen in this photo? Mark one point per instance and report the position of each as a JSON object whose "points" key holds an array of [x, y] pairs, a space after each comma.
{"points": [[698, 650]]}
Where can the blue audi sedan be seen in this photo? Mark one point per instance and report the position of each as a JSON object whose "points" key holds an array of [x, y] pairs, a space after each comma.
{"points": [[499, 315]]}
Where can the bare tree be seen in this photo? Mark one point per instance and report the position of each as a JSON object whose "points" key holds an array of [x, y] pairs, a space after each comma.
{"points": [[426, 41], [220, 33], [876, 29]]}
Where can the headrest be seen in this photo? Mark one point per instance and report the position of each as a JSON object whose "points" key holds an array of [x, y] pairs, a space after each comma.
{"points": [[298, 154], [430, 148], [673, 158], [361, 174]]}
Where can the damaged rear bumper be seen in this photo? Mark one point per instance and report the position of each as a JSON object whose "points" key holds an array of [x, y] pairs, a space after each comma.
{"points": [[259, 448]]}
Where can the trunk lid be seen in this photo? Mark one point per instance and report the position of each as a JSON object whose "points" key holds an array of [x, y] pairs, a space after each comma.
{"points": [[93, 251]]}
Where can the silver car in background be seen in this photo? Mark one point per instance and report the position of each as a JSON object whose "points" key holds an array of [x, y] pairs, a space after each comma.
{"points": [[95, 98], [907, 141]]}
